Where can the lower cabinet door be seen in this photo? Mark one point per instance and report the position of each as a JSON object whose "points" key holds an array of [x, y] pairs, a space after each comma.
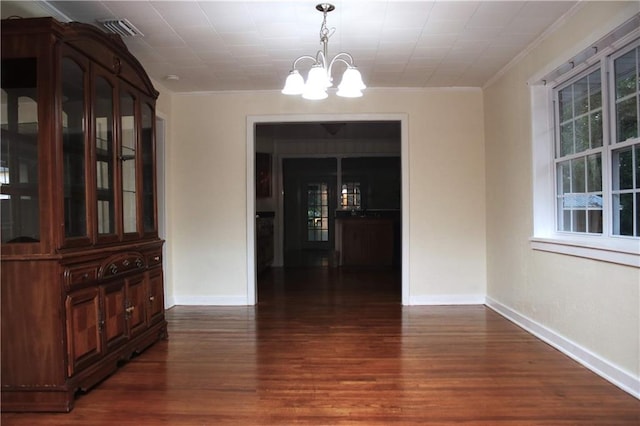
{"points": [[83, 322], [113, 312], [135, 305], [155, 311]]}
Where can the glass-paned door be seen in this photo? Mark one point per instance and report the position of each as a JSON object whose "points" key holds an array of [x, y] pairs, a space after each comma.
{"points": [[19, 194], [128, 161], [317, 212], [73, 147], [103, 108]]}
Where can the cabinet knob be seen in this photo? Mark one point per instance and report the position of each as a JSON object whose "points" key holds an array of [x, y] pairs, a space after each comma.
{"points": [[125, 262], [156, 258], [130, 309], [113, 269]]}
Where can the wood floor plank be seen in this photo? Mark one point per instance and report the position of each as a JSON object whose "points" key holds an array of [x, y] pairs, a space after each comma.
{"points": [[329, 347]]}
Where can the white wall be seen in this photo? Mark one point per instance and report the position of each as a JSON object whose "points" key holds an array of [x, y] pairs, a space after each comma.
{"points": [[206, 184], [591, 308]]}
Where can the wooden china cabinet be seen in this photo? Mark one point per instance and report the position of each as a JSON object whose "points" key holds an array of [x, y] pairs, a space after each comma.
{"points": [[81, 271]]}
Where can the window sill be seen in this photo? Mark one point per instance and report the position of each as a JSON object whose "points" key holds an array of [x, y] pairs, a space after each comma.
{"points": [[622, 251]]}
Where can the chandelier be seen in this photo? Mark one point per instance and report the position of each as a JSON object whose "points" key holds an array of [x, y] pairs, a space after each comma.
{"points": [[319, 78]]}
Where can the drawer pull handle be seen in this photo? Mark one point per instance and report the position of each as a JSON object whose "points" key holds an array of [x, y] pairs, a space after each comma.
{"points": [[156, 258], [152, 298], [113, 269], [125, 262], [139, 263], [85, 276], [130, 309]]}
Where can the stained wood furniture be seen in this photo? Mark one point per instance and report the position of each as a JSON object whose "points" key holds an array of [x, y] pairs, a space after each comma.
{"points": [[82, 282], [365, 241], [264, 240]]}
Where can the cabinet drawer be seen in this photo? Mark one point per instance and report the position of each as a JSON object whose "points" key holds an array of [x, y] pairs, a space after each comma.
{"points": [[78, 275], [154, 259]]}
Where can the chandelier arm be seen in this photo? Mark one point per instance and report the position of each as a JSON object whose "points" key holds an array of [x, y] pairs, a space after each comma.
{"points": [[303, 57], [321, 58], [339, 58]]}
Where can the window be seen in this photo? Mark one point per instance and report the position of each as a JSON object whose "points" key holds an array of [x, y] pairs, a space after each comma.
{"points": [[586, 121], [625, 155], [350, 196], [587, 153], [579, 155]]}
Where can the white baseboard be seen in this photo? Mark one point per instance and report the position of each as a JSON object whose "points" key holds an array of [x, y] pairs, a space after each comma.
{"points": [[211, 300], [605, 369], [169, 302], [448, 299]]}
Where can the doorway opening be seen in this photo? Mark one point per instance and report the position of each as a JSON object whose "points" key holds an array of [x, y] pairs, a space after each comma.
{"points": [[328, 181]]}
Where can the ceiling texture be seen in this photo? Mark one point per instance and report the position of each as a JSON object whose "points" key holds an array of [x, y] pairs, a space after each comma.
{"points": [[251, 45]]}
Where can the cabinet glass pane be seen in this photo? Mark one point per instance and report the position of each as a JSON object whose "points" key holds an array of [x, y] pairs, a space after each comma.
{"points": [[104, 156], [19, 198], [73, 147], [128, 158], [148, 211]]}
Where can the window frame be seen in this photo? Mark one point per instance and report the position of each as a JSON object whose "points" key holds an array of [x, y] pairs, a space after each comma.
{"points": [[607, 246]]}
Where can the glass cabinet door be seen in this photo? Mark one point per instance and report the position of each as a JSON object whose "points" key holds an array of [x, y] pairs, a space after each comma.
{"points": [[105, 195], [19, 164], [148, 170], [73, 147], [128, 161]]}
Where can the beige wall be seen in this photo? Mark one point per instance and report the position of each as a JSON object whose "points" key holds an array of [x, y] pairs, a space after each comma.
{"points": [[206, 183], [592, 304]]}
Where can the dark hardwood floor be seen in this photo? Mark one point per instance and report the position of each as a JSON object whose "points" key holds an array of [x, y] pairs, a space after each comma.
{"points": [[327, 346]]}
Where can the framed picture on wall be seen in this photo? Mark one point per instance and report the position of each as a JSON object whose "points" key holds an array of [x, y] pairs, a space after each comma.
{"points": [[263, 175]]}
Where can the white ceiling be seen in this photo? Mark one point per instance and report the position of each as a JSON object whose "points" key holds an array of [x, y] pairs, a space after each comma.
{"points": [[250, 45]]}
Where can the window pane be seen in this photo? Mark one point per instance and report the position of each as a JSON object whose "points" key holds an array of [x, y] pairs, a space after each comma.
{"points": [[595, 90], [73, 147], [637, 160], [594, 173], [623, 214], [565, 174], [637, 209], [595, 221], [627, 119], [565, 100], [580, 97], [578, 175], [596, 129], [566, 221], [566, 139], [622, 169], [626, 74], [317, 212], [579, 221], [582, 134]]}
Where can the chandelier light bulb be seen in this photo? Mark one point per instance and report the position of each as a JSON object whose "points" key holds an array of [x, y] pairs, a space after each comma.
{"points": [[351, 85], [294, 84]]}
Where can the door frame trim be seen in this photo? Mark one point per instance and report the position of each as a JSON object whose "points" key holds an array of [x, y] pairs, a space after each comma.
{"points": [[253, 120]]}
